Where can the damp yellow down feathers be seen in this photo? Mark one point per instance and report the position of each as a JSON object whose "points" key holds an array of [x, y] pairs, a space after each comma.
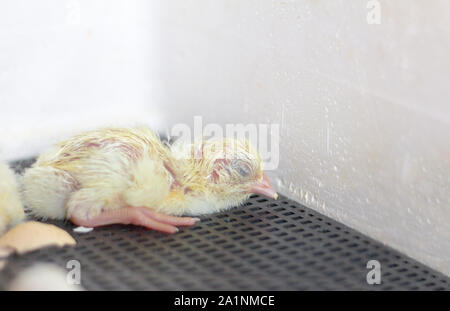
{"points": [[11, 210], [112, 168]]}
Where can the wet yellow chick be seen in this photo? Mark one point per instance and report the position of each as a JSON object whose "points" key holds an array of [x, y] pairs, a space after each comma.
{"points": [[127, 175], [11, 210]]}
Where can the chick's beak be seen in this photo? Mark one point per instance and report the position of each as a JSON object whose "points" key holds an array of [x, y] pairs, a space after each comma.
{"points": [[264, 187]]}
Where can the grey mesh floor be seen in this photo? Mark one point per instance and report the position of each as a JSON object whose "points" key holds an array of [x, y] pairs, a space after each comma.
{"points": [[264, 245]]}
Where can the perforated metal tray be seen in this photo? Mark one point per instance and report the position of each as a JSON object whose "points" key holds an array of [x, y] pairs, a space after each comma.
{"points": [[263, 245]]}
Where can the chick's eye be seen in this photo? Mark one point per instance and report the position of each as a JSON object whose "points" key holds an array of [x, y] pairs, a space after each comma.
{"points": [[243, 170]]}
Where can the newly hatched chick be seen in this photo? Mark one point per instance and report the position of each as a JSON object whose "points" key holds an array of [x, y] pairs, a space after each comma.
{"points": [[121, 175], [11, 210]]}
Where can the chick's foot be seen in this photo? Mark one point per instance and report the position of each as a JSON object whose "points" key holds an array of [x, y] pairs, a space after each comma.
{"points": [[139, 216]]}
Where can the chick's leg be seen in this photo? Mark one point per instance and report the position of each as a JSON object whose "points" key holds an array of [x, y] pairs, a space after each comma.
{"points": [[93, 208], [139, 216]]}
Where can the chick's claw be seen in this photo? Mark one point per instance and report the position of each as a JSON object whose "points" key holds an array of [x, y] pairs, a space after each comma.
{"points": [[167, 219], [139, 216]]}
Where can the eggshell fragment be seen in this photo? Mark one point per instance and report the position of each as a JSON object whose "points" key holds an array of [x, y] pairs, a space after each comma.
{"points": [[33, 235]]}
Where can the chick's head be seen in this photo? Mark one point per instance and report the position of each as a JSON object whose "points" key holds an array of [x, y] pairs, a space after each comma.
{"points": [[233, 170]]}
